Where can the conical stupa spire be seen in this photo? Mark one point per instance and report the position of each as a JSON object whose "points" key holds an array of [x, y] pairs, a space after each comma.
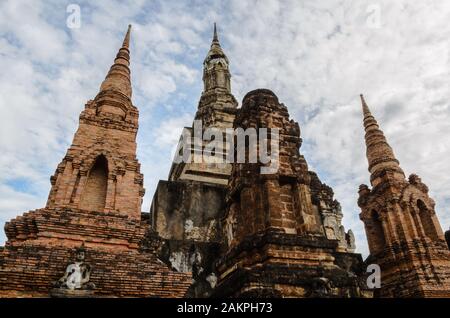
{"points": [[379, 153], [364, 105], [216, 72], [215, 51], [126, 41], [118, 78], [215, 37]]}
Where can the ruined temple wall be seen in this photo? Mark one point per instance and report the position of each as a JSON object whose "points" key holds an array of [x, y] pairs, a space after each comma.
{"points": [[406, 271], [29, 271], [188, 210], [405, 238], [186, 214], [121, 141], [123, 252]]}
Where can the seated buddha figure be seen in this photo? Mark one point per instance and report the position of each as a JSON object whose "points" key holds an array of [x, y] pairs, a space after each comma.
{"points": [[77, 274]]}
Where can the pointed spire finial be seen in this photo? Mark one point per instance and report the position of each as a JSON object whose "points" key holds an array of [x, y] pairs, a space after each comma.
{"points": [[118, 77], [215, 49], [215, 37], [126, 40], [379, 153], [362, 99], [365, 108]]}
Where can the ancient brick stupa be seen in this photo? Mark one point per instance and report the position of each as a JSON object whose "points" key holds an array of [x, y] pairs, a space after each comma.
{"points": [[94, 203], [403, 231], [246, 234], [284, 233]]}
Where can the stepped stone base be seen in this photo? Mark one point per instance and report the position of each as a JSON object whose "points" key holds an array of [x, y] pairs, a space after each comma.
{"points": [[285, 265], [121, 251], [67, 293]]}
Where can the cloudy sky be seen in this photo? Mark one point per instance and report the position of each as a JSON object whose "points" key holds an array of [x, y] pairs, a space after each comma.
{"points": [[316, 56]]}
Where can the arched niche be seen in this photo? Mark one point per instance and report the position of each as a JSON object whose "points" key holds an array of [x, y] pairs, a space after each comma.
{"points": [[376, 235], [94, 193], [427, 221]]}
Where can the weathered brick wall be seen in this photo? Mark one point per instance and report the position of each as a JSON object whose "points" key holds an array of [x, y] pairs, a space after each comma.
{"points": [[41, 244], [70, 227], [122, 250], [408, 272], [29, 271]]}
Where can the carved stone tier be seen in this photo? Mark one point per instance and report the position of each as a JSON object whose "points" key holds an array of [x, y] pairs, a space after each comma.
{"points": [[69, 227], [274, 264], [66, 293]]}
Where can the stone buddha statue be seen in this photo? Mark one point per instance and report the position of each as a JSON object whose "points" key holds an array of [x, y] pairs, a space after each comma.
{"points": [[77, 274]]}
